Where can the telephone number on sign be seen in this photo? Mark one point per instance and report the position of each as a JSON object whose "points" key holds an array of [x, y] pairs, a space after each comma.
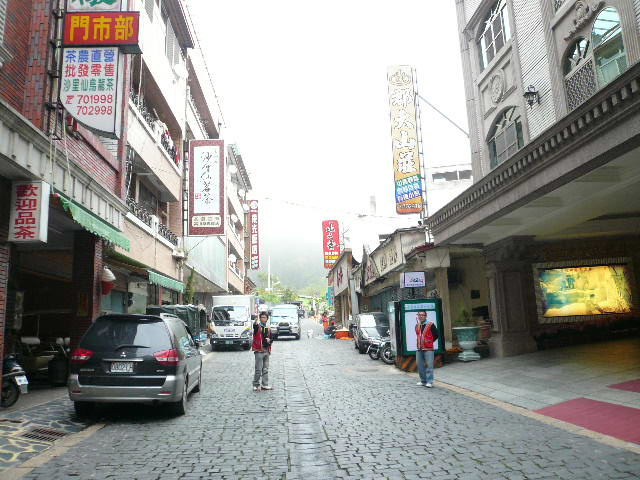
{"points": [[97, 110], [91, 99]]}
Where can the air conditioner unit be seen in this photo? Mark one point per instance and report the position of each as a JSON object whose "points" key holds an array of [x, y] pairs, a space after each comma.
{"points": [[179, 254]]}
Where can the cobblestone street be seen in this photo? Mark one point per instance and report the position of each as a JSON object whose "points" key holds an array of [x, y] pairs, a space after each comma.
{"points": [[333, 414]]}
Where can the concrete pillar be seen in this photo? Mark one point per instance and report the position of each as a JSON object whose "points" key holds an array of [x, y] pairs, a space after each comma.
{"points": [[512, 298], [86, 278], [442, 285], [5, 201]]}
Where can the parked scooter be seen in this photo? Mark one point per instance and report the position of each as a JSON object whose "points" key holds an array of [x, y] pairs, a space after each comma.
{"points": [[386, 354], [374, 348], [14, 381]]}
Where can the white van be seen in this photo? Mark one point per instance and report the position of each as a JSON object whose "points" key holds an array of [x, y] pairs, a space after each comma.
{"points": [[231, 321], [285, 321]]}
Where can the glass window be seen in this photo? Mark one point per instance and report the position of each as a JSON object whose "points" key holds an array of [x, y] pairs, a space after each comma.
{"points": [[495, 33], [608, 46], [111, 333], [507, 138], [577, 53]]}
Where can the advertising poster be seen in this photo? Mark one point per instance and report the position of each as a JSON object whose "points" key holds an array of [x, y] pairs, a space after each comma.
{"points": [[331, 242], [206, 188], [255, 239], [404, 138], [408, 319], [585, 290]]}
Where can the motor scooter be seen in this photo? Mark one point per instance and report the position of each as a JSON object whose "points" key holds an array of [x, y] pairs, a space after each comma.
{"points": [[14, 381]]}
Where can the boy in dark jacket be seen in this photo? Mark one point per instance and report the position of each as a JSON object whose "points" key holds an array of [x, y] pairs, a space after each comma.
{"points": [[262, 350]]}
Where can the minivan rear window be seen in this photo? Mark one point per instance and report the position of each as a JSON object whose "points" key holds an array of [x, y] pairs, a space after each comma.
{"points": [[112, 333]]}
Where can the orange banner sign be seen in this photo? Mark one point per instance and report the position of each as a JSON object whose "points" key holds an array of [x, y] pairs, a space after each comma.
{"points": [[103, 29]]}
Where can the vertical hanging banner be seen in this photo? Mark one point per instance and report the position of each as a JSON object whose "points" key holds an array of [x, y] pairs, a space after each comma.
{"points": [[29, 218], [331, 242], [404, 138], [255, 240], [97, 33], [206, 188], [91, 87]]}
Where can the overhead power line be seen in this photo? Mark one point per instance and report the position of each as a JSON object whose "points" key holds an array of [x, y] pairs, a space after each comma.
{"points": [[443, 115], [315, 207]]}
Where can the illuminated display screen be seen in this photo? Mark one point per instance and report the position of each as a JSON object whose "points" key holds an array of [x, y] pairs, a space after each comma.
{"points": [[592, 290]]}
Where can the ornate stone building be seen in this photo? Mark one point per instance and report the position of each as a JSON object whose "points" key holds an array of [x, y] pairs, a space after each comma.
{"points": [[553, 95]]}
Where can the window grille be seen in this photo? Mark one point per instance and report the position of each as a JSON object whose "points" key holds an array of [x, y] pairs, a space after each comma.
{"points": [[507, 137], [581, 85], [495, 34]]}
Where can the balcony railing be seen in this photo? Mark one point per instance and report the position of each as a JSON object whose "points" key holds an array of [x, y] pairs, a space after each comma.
{"points": [[154, 124], [146, 217], [196, 113]]}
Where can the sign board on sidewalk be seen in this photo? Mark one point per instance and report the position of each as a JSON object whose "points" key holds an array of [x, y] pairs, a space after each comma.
{"points": [[408, 319], [29, 217]]}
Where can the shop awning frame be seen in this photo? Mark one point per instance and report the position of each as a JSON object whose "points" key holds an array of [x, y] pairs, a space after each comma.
{"points": [[94, 224], [164, 281]]}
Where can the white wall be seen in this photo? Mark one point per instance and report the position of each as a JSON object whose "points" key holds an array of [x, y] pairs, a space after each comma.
{"points": [[534, 62]]}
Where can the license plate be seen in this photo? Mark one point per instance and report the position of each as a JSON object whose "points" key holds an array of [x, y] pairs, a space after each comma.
{"points": [[229, 342], [22, 380], [122, 367]]}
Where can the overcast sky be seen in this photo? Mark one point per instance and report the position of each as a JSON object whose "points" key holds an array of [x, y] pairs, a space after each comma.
{"points": [[303, 90]]}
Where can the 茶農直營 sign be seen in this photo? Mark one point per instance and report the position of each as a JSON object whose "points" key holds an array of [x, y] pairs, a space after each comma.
{"points": [[94, 5]]}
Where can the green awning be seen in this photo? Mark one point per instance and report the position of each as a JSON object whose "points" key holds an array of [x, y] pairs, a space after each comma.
{"points": [[94, 224], [167, 282]]}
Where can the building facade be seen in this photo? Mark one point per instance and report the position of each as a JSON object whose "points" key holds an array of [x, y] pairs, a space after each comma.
{"points": [[554, 109]]}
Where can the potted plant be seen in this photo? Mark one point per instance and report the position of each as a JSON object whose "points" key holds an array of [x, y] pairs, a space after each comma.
{"points": [[466, 330]]}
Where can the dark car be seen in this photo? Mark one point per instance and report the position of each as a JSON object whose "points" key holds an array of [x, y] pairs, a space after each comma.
{"points": [[369, 326], [135, 358]]}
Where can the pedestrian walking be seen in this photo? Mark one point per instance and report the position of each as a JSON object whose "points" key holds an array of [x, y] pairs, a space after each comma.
{"points": [[262, 351], [426, 334], [325, 320]]}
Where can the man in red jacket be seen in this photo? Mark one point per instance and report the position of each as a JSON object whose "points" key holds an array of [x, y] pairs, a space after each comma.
{"points": [[426, 334], [262, 351]]}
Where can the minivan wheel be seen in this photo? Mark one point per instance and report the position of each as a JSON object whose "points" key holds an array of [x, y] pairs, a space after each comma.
{"points": [[83, 409], [180, 407], [298, 337]]}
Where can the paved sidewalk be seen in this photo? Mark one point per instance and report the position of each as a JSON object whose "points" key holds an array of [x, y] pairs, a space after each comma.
{"points": [[549, 377]]}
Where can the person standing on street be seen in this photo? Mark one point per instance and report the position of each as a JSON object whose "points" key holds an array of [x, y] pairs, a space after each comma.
{"points": [[325, 320], [426, 334], [262, 351]]}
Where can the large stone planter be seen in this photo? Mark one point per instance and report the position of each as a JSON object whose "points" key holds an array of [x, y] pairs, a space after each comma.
{"points": [[468, 339]]}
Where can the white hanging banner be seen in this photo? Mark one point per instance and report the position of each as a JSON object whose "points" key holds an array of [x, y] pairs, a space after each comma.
{"points": [[91, 87], [29, 218], [94, 5]]}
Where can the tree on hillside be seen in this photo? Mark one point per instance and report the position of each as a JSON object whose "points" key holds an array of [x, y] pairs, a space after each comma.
{"points": [[289, 295]]}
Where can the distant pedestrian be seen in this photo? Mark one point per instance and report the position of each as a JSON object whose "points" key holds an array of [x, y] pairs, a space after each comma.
{"points": [[426, 334], [325, 320], [262, 351]]}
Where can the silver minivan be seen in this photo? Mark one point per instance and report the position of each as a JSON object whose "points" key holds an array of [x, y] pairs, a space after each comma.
{"points": [[135, 358], [285, 321]]}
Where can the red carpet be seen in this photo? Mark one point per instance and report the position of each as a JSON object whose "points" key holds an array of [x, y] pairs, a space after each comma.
{"points": [[631, 385], [614, 420]]}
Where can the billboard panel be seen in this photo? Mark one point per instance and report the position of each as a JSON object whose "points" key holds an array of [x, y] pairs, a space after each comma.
{"points": [[104, 29], [404, 139], [206, 188], [585, 290], [330, 242], [29, 215], [93, 5]]}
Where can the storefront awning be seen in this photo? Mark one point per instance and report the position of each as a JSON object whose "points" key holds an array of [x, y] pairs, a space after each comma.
{"points": [[166, 282], [94, 224]]}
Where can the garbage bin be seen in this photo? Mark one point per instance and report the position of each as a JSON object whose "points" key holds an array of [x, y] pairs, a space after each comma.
{"points": [[58, 371]]}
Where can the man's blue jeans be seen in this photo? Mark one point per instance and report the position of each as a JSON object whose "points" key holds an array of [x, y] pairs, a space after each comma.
{"points": [[424, 359]]}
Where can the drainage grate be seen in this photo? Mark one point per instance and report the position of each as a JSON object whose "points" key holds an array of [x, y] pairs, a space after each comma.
{"points": [[10, 420], [43, 435]]}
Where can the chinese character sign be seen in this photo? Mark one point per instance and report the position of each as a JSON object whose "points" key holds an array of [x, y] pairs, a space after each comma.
{"points": [[29, 219], [206, 187], [255, 240], [404, 138], [102, 29], [90, 87], [331, 242], [94, 5]]}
